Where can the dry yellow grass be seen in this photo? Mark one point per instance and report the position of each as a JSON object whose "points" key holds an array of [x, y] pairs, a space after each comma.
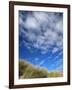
{"points": [[27, 70]]}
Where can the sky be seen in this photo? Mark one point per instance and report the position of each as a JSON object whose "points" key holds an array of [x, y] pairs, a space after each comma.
{"points": [[41, 39]]}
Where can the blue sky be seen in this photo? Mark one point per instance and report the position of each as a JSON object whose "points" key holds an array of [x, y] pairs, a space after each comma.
{"points": [[41, 38]]}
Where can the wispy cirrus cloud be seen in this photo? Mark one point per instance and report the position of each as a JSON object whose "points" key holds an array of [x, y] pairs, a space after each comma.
{"points": [[42, 62]]}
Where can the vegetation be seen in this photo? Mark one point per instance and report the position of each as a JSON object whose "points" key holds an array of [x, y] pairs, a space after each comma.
{"points": [[55, 74], [27, 70]]}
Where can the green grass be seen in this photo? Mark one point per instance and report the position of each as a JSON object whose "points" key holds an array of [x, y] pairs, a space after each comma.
{"points": [[27, 70]]}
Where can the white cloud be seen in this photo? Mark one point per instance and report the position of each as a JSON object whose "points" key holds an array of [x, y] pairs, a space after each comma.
{"points": [[21, 22], [51, 35], [43, 29], [31, 23], [59, 26], [36, 59], [42, 62], [59, 42], [44, 51], [41, 17], [55, 50]]}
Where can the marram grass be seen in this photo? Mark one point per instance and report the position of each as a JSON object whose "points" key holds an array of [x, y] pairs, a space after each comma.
{"points": [[27, 70]]}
